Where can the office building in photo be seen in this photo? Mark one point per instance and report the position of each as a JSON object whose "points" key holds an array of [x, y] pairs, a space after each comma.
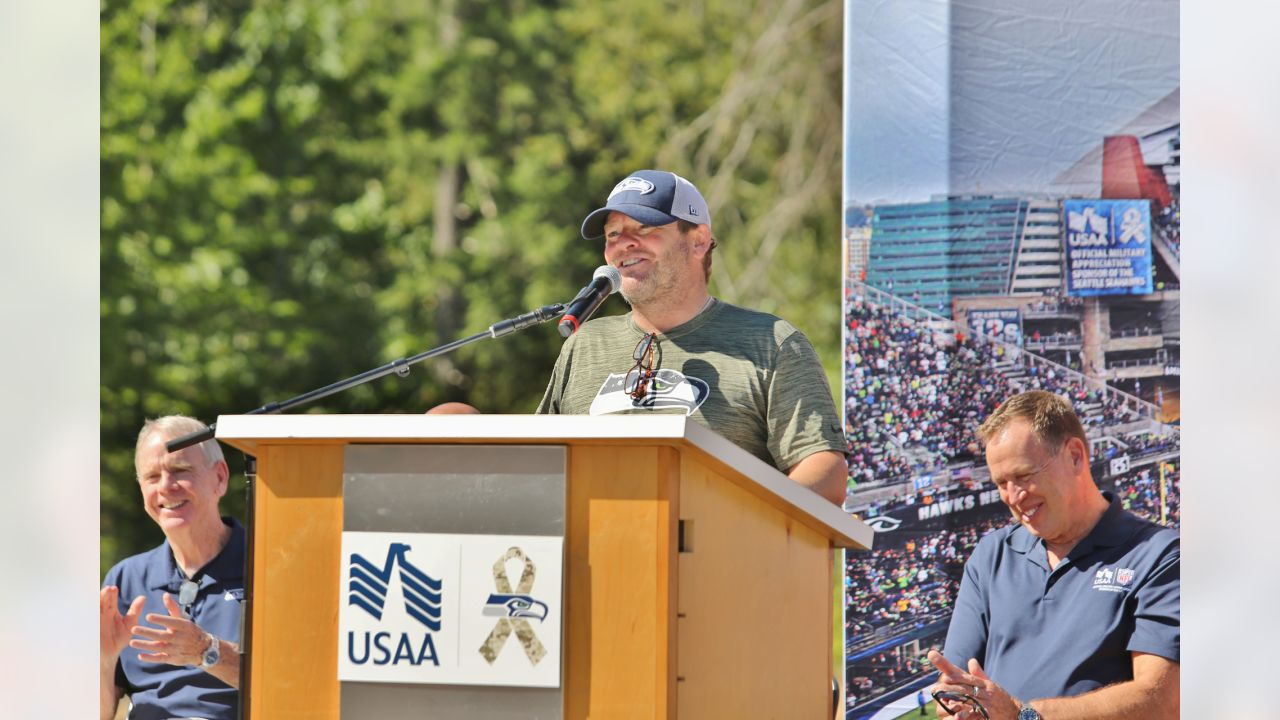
{"points": [[929, 253]]}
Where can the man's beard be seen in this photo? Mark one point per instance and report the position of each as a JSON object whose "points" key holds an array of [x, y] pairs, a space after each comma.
{"points": [[664, 282]]}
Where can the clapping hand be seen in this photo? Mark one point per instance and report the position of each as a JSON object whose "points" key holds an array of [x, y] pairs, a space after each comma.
{"points": [[178, 641], [114, 628]]}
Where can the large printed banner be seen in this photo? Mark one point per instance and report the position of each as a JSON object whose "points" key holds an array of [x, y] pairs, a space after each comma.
{"points": [[1107, 247], [1002, 324], [939, 514]]}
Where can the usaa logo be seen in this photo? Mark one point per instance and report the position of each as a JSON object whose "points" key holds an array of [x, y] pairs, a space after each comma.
{"points": [[367, 591]]}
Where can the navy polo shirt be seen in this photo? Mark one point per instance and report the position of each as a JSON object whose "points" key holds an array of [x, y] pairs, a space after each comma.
{"points": [[1049, 633], [162, 691]]}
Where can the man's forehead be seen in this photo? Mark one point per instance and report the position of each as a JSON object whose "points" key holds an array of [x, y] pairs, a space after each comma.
{"points": [[1018, 430], [171, 460], [1016, 441], [1016, 446], [178, 459], [153, 452]]}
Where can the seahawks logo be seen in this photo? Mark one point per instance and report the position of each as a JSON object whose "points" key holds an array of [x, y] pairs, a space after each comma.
{"points": [[640, 185], [669, 390], [514, 606], [883, 523]]}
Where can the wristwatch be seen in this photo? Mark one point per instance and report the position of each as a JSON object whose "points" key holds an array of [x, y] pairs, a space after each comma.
{"points": [[211, 655], [1026, 712]]}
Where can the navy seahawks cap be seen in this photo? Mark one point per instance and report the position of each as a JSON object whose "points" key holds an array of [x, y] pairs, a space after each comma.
{"points": [[653, 197]]}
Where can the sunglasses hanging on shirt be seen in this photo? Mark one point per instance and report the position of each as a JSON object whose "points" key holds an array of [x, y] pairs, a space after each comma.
{"points": [[187, 596], [642, 373]]}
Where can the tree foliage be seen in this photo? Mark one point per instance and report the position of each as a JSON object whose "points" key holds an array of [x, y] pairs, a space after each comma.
{"points": [[296, 191]]}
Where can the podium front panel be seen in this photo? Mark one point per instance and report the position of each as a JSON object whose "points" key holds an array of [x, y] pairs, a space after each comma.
{"points": [[695, 581], [453, 490]]}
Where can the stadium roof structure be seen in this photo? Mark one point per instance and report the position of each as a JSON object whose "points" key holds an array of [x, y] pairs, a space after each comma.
{"points": [[1084, 178]]}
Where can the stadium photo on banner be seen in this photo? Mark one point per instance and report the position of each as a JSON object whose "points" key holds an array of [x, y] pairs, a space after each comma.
{"points": [[1011, 223]]}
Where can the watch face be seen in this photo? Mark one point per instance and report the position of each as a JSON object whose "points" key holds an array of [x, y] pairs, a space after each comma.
{"points": [[1028, 713], [211, 655]]}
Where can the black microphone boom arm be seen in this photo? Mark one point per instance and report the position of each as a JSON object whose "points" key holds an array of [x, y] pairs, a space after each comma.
{"points": [[399, 367]]}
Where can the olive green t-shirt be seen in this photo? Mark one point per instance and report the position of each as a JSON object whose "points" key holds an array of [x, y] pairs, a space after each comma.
{"points": [[747, 375]]}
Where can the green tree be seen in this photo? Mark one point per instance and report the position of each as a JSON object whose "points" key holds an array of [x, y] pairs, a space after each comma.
{"points": [[295, 191]]}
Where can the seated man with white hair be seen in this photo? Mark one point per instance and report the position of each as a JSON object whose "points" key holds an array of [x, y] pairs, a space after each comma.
{"points": [[184, 660]]}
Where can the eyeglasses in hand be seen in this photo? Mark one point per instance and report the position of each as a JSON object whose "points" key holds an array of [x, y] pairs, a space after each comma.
{"points": [[957, 703]]}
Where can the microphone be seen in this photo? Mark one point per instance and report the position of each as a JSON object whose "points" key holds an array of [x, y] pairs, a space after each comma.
{"points": [[604, 282]]}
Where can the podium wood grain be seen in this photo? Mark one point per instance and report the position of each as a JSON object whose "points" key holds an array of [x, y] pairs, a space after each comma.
{"points": [[621, 537], [754, 627], [298, 526]]}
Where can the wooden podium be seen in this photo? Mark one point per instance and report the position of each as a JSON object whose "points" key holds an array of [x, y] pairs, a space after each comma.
{"points": [[698, 581]]}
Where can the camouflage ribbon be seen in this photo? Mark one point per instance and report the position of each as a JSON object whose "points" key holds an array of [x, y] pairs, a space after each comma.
{"points": [[502, 629]]}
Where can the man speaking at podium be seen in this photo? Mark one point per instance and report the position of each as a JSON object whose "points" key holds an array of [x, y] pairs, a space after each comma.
{"points": [[183, 661], [747, 375]]}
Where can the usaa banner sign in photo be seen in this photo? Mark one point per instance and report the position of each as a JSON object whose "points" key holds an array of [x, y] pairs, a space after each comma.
{"points": [[456, 609], [1108, 246]]}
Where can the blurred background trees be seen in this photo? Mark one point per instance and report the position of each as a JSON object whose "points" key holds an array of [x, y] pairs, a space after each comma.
{"points": [[295, 191]]}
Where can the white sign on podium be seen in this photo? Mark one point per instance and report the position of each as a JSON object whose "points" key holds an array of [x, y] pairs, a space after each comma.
{"points": [[451, 609]]}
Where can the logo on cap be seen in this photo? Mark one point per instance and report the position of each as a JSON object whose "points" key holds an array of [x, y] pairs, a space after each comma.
{"points": [[640, 185]]}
